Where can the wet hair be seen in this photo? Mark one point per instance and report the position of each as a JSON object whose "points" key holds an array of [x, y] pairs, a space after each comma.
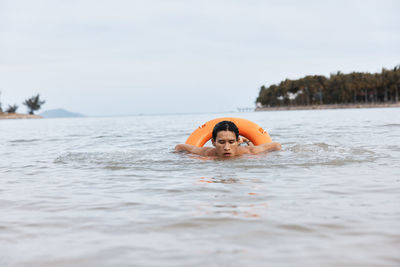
{"points": [[225, 126]]}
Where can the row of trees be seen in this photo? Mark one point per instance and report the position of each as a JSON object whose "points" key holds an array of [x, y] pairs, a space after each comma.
{"points": [[34, 103], [339, 88]]}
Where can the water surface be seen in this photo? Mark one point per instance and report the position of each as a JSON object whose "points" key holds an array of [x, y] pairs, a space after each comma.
{"points": [[111, 192]]}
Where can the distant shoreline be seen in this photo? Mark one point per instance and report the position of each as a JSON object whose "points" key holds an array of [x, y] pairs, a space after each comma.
{"points": [[6, 116], [332, 106]]}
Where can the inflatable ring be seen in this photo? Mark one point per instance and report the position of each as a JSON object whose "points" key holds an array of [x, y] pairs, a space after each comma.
{"points": [[247, 128]]}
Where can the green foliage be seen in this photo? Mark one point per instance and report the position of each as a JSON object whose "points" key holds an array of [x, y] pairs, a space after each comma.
{"points": [[355, 87], [34, 103]]}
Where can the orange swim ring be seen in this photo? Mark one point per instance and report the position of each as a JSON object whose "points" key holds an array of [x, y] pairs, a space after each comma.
{"points": [[248, 129]]}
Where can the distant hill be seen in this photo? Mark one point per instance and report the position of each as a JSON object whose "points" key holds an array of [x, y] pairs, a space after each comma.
{"points": [[60, 113]]}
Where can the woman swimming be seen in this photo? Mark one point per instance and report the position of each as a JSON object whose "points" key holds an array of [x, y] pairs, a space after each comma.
{"points": [[226, 142]]}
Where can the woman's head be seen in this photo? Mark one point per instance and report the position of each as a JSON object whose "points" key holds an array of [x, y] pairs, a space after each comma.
{"points": [[225, 138], [225, 126]]}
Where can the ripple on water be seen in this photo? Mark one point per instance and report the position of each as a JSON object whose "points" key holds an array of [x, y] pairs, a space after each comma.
{"points": [[391, 125], [25, 140], [134, 160], [106, 160], [308, 155]]}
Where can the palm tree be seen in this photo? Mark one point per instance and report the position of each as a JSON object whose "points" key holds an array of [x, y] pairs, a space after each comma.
{"points": [[12, 109], [34, 103]]}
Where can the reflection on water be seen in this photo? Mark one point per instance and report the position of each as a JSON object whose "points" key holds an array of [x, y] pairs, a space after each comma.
{"points": [[219, 180], [245, 211], [222, 207], [112, 192]]}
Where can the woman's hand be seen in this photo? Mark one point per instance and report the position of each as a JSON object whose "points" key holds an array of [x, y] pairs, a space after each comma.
{"points": [[244, 140]]}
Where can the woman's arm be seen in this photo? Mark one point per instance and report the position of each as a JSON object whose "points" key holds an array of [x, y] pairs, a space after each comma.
{"points": [[265, 147], [203, 151]]}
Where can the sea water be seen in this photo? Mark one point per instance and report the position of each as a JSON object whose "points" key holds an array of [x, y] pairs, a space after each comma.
{"points": [[112, 192]]}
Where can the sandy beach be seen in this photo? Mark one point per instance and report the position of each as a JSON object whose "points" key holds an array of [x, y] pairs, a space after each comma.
{"points": [[4, 116], [332, 106]]}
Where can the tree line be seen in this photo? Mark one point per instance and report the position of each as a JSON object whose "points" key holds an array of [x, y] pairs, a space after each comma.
{"points": [[338, 88], [33, 104]]}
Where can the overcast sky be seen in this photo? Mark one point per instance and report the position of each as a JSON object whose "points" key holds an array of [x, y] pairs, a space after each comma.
{"points": [[122, 57]]}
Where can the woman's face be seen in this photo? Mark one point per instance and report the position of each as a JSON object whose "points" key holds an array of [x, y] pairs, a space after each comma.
{"points": [[226, 144]]}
